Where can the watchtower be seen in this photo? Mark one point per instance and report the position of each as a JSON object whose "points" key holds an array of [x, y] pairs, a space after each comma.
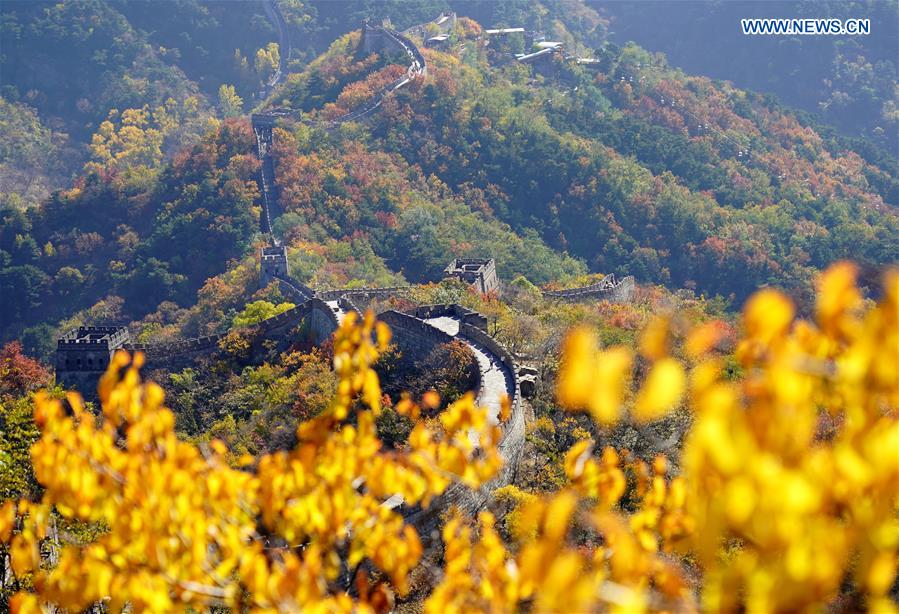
{"points": [[373, 38], [274, 264], [480, 273], [83, 355]]}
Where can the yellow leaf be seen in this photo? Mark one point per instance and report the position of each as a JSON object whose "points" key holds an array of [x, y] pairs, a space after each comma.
{"points": [[837, 293], [578, 354], [24, 603], [505, 409], [23, 554], [767, 314], [654, 340], [7, 520], [704, 338], [430, 400], [881, 573], [662, 390]]}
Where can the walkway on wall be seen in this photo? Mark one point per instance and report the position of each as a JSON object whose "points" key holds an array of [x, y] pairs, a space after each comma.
{"points": [[608, 288], [496, 381]]}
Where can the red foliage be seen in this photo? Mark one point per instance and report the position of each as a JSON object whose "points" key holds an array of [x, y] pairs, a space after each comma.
{"points": [[20, 374]]}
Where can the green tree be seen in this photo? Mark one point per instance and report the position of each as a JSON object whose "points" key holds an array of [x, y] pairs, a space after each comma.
{"points": [[67, 279]]}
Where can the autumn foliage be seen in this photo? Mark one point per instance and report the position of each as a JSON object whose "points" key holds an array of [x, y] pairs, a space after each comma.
{"points": [[787, 488]]}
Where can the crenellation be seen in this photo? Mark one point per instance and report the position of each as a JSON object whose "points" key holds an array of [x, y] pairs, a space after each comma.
{"points": [[459, 312], [83, 355], [273, 264], [609, 289]]}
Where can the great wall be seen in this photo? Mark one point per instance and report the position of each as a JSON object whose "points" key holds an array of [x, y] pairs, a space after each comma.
{"points": [[83, 354]]}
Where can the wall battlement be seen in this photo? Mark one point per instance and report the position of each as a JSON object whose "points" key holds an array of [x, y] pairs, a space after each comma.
{"points": [[83, 355], [458, 312], [273, 264]]}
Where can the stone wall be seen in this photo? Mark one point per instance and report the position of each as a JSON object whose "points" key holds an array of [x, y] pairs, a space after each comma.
{"points": [[373, 39], [83, 355], [181, 353], [429, 521], [371, 293], [347, 304], [323, 320], [414, 337], [294, 289], [273, 264], [620, 291], [453, 310]]}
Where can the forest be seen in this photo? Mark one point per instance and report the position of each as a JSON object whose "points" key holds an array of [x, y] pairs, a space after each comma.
{"points": [[721, 436]]}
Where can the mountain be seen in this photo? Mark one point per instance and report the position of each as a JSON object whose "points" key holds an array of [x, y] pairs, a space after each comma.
{"points": [[620, 164], [629, 165], [412, 314], [845, 81]]}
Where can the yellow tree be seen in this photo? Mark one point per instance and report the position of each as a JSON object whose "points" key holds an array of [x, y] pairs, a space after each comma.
{"points": [[790, 480], [267, 61], [230, 104], [789, 485], [184, 526], [136, 141]]}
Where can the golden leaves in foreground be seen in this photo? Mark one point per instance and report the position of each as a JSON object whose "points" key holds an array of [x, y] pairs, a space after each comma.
{"points": [[789, 484], [599, 380], [774, 511], [797, 509], [799, 462], [594, 380], [182, 528]]}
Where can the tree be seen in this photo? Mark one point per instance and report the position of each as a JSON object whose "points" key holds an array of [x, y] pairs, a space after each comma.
{"points": [[239, 526], [68, 279], [230, 104], [257, 311], [17, 434], [136, 142], [19, 374], [268, 59]]}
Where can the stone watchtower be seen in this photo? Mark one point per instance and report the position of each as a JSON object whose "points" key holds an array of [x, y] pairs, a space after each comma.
{"points": [[83, 355], [274, 264], [480, 273], [373, 38]]}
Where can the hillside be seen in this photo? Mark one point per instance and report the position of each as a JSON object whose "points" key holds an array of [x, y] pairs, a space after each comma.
{"points": [[420, 316], [845, 81], [69, 66], [712, 181], [626, 166]]}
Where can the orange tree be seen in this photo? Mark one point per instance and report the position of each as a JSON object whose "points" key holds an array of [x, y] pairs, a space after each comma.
{"points": [[771, 511]]}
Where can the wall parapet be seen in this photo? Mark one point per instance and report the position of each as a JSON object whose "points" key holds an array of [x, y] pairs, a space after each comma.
{"points": [[211, 342], [93, 338], [511, 447], [453, 310], [618, 291], [346, 303], [296, 289], [330, 295], [406, 322]]}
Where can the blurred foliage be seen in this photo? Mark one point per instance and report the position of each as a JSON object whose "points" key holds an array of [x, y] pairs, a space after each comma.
{"points": [[785, 500]]}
